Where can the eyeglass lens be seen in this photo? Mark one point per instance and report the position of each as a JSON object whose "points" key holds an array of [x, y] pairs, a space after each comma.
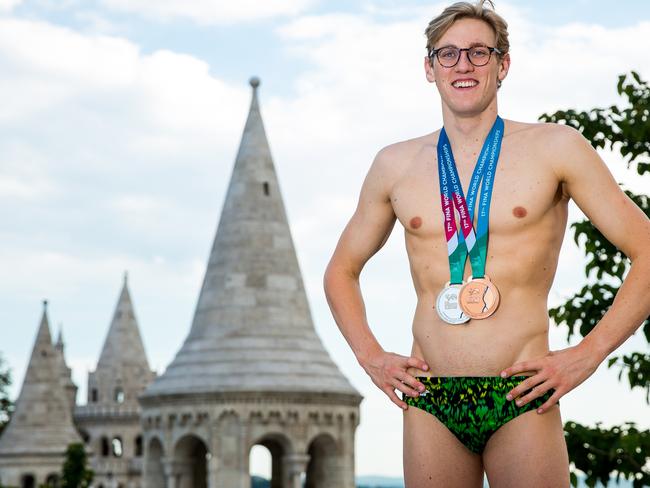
{"points": [[449, 56]]}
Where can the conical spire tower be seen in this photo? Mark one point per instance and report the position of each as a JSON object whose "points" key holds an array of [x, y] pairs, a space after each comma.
{"points": [[252, 369], [111, 418], [41, 424], [252, 327], [122, 371]]}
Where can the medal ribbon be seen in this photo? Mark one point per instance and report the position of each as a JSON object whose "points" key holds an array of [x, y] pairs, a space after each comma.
{"points": [[451, 195]]}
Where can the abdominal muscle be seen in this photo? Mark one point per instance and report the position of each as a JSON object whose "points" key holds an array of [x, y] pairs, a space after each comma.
{"points": [[517, 331]]}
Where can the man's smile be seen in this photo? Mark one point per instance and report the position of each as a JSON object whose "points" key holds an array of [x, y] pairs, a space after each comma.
{"points": [[464, 83]]}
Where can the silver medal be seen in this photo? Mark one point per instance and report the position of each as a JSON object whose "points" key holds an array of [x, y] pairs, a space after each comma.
{"points": [[448, 307]]}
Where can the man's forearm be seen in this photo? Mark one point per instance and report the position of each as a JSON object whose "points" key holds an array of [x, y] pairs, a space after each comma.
{"points": [[346, 303], [630, 308]]}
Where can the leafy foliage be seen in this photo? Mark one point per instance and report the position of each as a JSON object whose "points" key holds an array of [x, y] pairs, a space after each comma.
{"points": [[628, 131], [599, 452], [6, 405], [623, 450], [75, 473]]}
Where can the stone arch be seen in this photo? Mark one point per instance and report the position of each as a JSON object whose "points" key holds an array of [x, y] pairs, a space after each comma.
{"points": [[191, 462], [119, 395], [323, 469], [28, 481], [280, 447], [53, 480], [154, 468], [85, 436], [117, 447]]}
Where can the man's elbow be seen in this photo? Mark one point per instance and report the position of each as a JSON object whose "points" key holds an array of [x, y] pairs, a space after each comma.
{"points": [[335, 272]]}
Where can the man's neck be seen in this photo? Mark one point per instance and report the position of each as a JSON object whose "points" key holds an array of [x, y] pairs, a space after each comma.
{"points": [[468, 131]]}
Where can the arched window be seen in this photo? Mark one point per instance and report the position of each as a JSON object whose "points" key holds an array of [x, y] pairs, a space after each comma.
{"points": [[266, 188], [138, 446], [116, 445], [105, 447], [93, 395], [85, 436], [119, 395]]}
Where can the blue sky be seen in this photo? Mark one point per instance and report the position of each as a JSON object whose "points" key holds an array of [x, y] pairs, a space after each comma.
{"points": [[120, 121]]}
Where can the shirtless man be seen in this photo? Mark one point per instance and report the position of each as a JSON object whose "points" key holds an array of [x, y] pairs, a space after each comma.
{"points": [[541, 166]]}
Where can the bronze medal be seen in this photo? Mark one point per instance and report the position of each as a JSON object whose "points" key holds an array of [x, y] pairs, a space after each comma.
{"points": [[479, 298]]}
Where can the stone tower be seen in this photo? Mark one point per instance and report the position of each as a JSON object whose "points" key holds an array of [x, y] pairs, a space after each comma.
{"points": [[33, 445], [252, 370], [110, 420]]}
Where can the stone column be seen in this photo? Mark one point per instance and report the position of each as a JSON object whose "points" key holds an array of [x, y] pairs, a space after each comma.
{"points": [[346, 460], [294, 466], [213, 468], [178, 473]]}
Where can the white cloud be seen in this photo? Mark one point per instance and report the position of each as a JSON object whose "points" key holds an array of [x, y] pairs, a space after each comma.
{"points": [[209, 11], [9, 5]]}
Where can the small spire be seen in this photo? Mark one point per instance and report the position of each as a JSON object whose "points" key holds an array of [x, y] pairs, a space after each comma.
{"points": [[44, 306], [123, 343], [59, 340], [126, 276], [254, 82]]}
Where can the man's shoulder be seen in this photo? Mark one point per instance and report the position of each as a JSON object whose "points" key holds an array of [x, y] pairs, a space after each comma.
{"points": [[546, 134], [558, 147], [400, 153]]}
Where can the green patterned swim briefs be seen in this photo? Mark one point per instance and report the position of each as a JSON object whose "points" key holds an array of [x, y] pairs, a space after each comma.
{"points": [[472, 407]]}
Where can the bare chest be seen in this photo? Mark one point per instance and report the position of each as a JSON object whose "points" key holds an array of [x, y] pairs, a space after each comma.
{"points": [[524, 190]]}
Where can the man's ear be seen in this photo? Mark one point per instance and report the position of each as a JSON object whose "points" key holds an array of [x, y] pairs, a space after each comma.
{"points": [[428, 70], [504, 67]]}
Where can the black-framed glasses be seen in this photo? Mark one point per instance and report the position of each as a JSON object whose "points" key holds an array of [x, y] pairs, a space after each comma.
{"points": [[448, 56]]}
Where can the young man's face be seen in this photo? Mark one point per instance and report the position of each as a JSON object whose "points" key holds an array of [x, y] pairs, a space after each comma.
{"points": [[479, 83]]}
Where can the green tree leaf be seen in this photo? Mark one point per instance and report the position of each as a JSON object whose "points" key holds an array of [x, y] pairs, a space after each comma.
{"points": [[623, 450]]}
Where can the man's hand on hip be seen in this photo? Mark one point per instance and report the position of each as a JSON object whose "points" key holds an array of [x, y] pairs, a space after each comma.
{"points": [[388, 371], [559, 370]]}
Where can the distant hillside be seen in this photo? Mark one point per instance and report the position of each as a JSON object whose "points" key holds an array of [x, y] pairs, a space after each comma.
{"points": [[362, 482], [379, 482], [259, 482]]}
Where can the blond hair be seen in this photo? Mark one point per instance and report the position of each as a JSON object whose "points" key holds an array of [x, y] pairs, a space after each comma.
{"points": [[461, 10]]}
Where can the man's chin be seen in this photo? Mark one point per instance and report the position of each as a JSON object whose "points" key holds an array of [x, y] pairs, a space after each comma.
{"points": [[468, 109]]}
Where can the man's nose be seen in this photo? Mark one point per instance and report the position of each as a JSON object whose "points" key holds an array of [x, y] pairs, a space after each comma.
{"points": [[463, 62]]}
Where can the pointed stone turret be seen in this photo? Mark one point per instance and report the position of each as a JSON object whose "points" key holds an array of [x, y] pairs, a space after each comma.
{"points": [[252, 326], [252, 370], [41, 426], [110, 421], [122, 370], [66, 372], [59, 341]]}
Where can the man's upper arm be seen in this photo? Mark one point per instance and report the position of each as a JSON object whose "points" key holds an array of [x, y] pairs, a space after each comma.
{"points": [[373, 219], [591, 185]]}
